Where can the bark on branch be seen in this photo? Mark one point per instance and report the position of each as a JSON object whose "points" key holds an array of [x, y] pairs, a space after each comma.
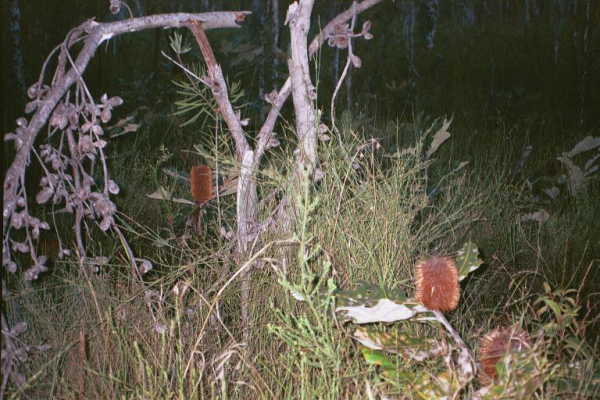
{"points": [[217, 84], [266, 131], [247, 199], [303, 91], [93, 34]]}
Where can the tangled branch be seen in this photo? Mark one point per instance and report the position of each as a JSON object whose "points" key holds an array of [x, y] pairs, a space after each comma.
{"points": [[72, 116]]}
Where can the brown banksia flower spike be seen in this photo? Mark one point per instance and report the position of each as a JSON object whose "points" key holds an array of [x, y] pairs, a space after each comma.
{"points": [[201, 184], [495, 345], [437, 283]]}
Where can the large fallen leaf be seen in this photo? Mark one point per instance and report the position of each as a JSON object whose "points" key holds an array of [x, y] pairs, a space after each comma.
{"points": [[577, 179], [384, 311], [369, 294], [403, 343]]}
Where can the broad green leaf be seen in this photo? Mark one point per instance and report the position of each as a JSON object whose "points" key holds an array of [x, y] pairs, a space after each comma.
{"points": [[379, 358]]}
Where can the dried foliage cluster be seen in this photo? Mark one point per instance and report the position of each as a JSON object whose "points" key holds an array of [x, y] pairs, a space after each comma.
{"points": [[495, 345], [75, 174]]}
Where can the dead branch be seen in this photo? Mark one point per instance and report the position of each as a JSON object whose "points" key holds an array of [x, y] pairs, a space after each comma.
{"points": [[246, 214], [338, 20], [93, 34], [304, 93], [278, 99], [247, 200], [348, 40], [218, 86]]}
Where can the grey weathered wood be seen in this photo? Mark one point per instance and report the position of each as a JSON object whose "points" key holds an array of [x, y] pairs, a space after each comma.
{"points": [[303, 90], [94, 34]]}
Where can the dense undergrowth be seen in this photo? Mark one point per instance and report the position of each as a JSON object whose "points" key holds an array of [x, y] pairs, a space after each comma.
{"points": [[379, 208]]}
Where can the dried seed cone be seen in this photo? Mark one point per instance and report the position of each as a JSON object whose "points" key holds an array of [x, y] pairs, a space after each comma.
{"points": [[201, 184], [437, 283], [495, 344]]}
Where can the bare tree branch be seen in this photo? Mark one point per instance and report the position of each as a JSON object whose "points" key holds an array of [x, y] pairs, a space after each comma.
{"points": [[266, 131], [247, 199], [304, 93], [94, 34], [217, 84], [339, 19]]}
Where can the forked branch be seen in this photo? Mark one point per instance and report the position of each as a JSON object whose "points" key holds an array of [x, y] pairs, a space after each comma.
{"points": [[79, 118], [92, 34], [218, 86], [278, 99]]}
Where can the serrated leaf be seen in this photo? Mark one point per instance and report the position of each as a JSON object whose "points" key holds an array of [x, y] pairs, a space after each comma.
{"points": [[183, 201], [163, 194], [175, 174], [467, 260]]}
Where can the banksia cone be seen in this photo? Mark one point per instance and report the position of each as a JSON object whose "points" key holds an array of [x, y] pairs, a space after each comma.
{"points": [[495, 345], [437, 283], [201, 184]]}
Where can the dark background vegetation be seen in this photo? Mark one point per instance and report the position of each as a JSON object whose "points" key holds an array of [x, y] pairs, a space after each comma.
{"points": [[530, 60]]}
